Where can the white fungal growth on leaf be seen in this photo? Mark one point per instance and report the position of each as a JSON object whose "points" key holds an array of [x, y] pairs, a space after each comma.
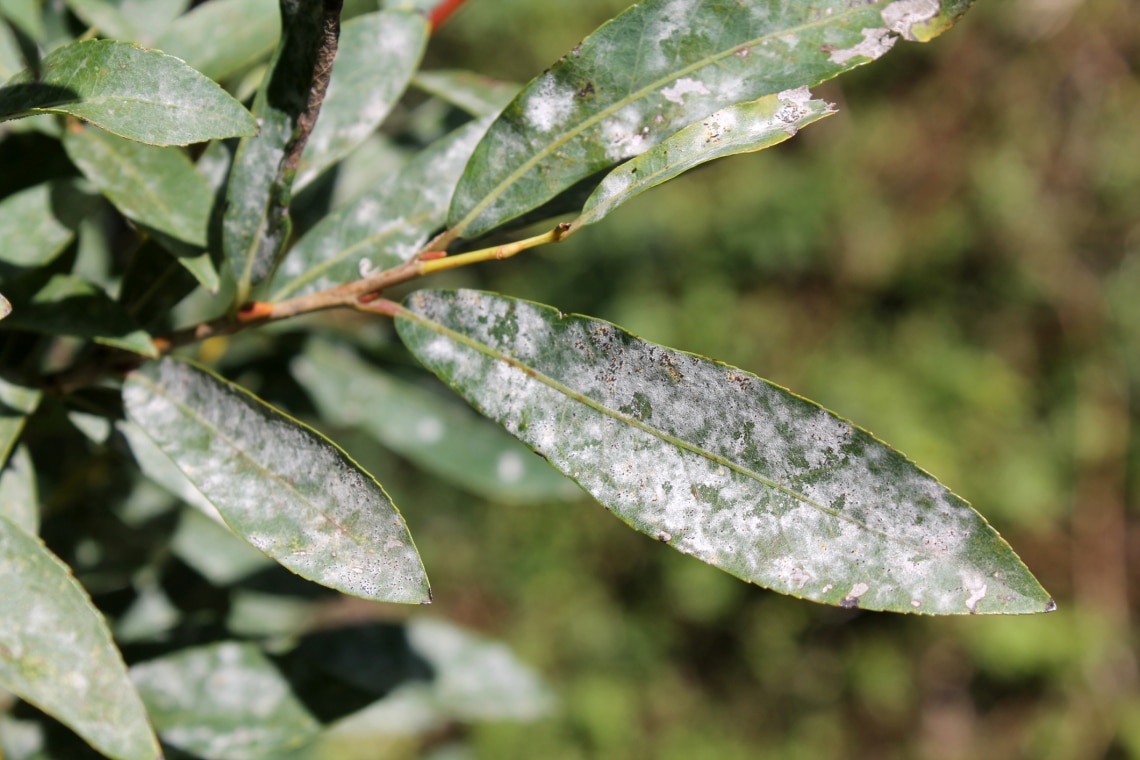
{"points": [[875, 43], [901, 16], [732, 469]]}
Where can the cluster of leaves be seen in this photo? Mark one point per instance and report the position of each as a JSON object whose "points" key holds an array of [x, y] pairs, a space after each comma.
{"points": [[251, 226]]}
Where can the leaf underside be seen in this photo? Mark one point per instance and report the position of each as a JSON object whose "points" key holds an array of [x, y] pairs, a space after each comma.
{"points": [[285, 488], [719, 463]]}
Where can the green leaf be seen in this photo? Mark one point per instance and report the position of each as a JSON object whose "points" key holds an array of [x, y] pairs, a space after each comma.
{"points": [[256, 223], [719, 463], [438, 436], [383, 227], [38, 223], [67, 305], [375, 60], [16, 403], [134, 20], [742, 128], [57, 654], [224, 701], [157, 188], [285, 488], [19, 501], [222, 37], [139, 94], [658, 67], [476, 94]]}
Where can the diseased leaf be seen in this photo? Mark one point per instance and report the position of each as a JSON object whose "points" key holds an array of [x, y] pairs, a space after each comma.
{"points": [[256, 224], [285, 488], [16, 403], [57, 654], [657, 68], [158, 188], [443, 439], [38, 223], [476, 94], [222, 37], [742, 128], [719, 463], [223, 701], [18, 497], [213, 550], [383, 227], [375, 60], [139, 94], [67, 305]]}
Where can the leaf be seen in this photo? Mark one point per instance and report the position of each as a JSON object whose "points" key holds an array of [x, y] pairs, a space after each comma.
{"points": [[222, 37], [719, 463], [443, 439], [57, 654], [383, 227], [158, 188], [133, 20], [256, 223], [375, 60], [658, 67], [67, 305], [38, 223], [19, 501], [285, 488], [139, 94], [742, 128], [16, 403], [476, 94], [223, 701]]}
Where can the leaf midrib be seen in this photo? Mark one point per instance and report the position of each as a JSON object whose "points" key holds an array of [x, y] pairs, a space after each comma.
{"points": [[660, 434], [218, 434], [496, 192]]}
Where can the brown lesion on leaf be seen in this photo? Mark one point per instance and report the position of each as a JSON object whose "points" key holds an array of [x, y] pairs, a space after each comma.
{"points": [[587, 90]]}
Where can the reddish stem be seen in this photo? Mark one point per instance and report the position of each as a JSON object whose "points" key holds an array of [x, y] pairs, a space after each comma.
{"points": [[441, 12]]}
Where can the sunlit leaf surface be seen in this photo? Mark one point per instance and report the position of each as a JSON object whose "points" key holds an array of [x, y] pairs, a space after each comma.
{"points": [[719, 463], [289, 491], [139, 94], [661, 66], [741, 128]]}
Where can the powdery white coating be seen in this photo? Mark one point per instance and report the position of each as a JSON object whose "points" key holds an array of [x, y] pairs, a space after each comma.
{"points": [[57, 653], [429, 430], [549, 104], [385, 226], [676, 92], [717, 462], [289, 491], [901, 15], [223, 700], [875, 43], [655, 69]]}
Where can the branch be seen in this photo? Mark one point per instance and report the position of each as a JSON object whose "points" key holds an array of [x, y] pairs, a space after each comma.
{"points": [[362, 294]]}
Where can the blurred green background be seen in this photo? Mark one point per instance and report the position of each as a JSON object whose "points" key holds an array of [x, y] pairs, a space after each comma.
{"points": [[953, 262]]}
